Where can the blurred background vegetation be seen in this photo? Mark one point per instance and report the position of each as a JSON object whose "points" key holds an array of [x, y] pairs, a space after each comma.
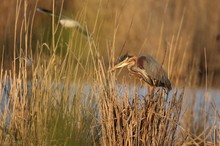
{"points": [[139, 26]]}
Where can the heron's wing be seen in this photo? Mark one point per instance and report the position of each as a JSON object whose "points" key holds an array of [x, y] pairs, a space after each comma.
{"points": [[152, 67], [156, 72]]}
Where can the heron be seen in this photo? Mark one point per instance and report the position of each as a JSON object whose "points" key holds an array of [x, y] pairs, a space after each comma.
{"points": [[146, 68]]}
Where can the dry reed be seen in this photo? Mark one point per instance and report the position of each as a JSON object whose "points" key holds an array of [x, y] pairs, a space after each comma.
{"points": [[44, 102]]}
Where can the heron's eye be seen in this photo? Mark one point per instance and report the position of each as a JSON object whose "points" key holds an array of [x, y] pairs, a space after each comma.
{"points": [[120, 59], [124, 57]]}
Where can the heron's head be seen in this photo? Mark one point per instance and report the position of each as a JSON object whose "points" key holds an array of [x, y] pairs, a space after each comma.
{"points": [[122, 61]]}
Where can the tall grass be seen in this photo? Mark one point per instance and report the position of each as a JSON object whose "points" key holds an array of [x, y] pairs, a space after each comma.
{"points": [[44, 101], [136, 120], [60, 98]]}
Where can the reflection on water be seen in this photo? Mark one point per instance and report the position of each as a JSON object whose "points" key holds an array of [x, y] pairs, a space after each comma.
{"points": [[200, 95], [204, 99], [6, 88]]}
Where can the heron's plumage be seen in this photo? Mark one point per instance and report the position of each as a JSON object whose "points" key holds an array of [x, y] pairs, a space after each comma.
{"points": [[155, 70], [147, 68]]}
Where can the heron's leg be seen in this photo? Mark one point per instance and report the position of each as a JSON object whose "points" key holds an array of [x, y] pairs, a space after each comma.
{"points": [[151, 94], [151, 91]]}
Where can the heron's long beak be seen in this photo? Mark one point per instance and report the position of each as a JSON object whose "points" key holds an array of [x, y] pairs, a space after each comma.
{"points": [[119, 65]]}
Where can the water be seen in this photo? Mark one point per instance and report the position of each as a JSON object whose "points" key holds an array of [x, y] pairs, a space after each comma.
{"points": [[6, 88], [200, 95]]}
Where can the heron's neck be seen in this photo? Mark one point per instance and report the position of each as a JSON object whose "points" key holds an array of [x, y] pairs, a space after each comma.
{"points": [[132, 67]]}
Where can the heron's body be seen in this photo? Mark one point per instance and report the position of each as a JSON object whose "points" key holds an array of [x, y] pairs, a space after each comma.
{"points": [[146, 68]]}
